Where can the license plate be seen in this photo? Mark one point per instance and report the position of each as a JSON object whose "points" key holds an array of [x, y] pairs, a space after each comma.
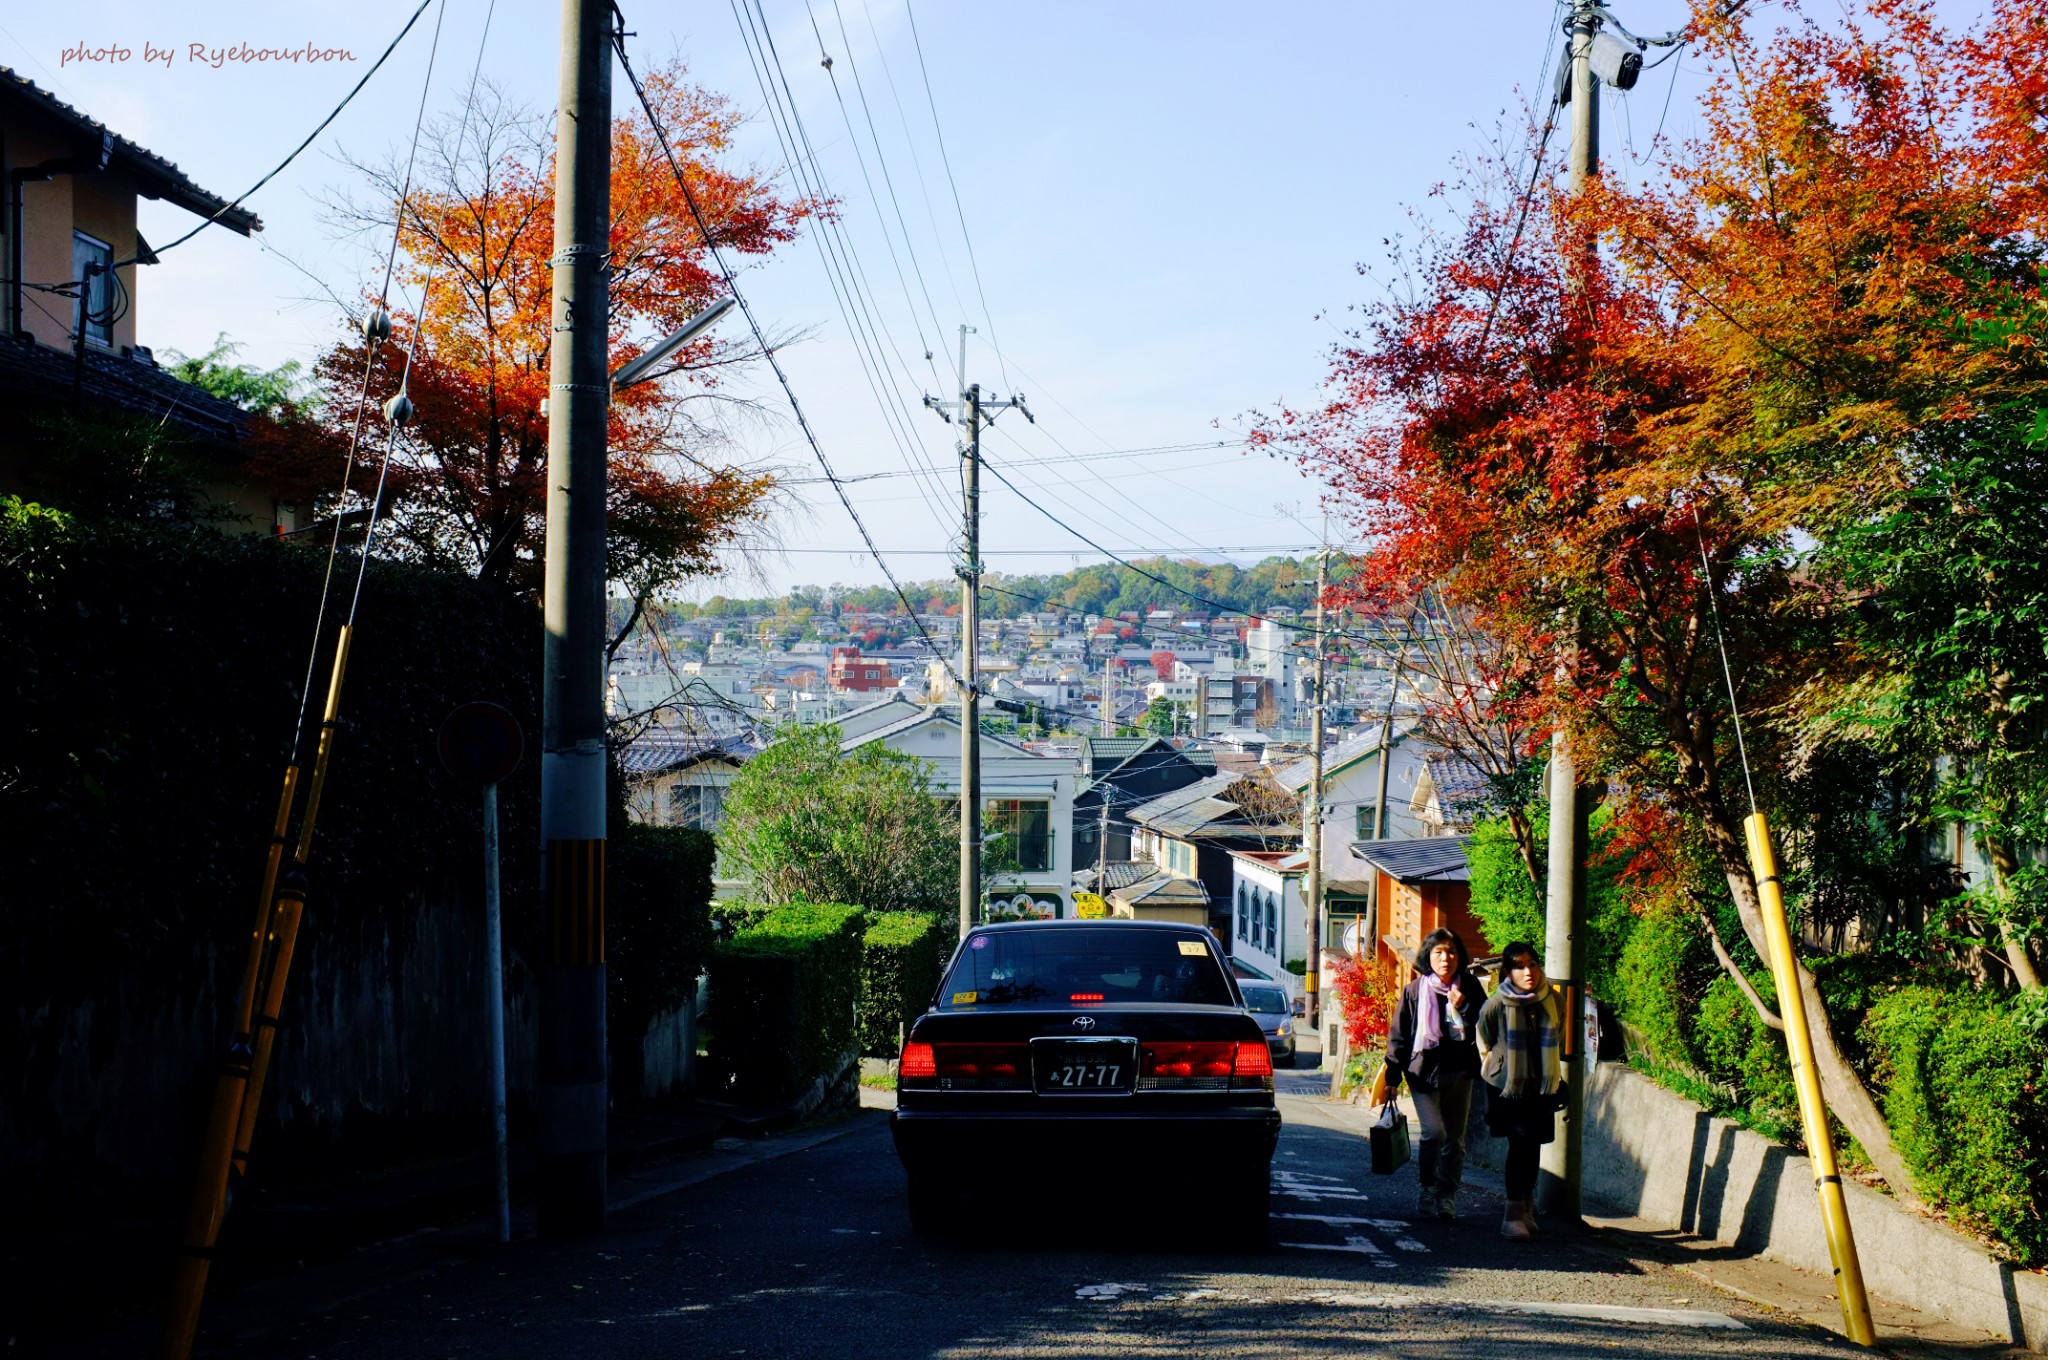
{"points": [[1084, 1066]]}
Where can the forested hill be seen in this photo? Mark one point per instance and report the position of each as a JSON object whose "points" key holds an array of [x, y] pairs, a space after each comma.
{"points": [[1104, 588]]}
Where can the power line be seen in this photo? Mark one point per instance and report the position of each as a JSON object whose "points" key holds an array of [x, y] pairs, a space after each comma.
{"points": [[761, 339], [947, 161], [835, 252], [226, 207]]}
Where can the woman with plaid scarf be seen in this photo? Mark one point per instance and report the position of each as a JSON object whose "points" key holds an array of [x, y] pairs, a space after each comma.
{"points": [[1521, 1033]]}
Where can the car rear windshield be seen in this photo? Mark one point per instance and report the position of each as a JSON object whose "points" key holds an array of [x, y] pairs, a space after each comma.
{"points": [[1089, 965], [1265, 1000]]}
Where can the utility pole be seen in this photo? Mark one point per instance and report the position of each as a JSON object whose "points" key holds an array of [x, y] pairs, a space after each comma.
{"points": [[1312, 810], [974, 413], [574, 1091], [1564, 945]]}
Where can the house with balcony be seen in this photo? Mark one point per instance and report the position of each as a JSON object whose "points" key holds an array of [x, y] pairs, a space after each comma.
{"points": [[1027, 805], [72, 302]]}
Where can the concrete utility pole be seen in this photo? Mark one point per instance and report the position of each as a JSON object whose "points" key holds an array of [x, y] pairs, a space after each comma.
{"points": [[574, 1094], [1312, 812], [974, 412], [1564, 945]]}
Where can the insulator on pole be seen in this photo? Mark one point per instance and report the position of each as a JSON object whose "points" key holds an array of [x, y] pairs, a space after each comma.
{"points": [[398, 411], [377, 326]]}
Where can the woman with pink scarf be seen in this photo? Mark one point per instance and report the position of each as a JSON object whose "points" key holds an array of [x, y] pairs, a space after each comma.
{"points": [[1431, 1044]]}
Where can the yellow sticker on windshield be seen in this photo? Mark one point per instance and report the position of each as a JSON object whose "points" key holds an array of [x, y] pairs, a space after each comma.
{"points": [[1194, 949], [965, 998]]}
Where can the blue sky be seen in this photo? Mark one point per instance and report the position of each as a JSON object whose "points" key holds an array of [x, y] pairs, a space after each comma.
{"points": [[1166, 204]]}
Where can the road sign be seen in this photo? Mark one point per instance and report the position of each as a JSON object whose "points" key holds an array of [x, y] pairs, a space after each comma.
{"points": [[481, 743]]}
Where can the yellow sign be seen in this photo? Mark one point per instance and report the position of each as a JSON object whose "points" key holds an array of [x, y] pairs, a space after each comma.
{"points": [[1194, 949], [965, 998], [1090, 907]]}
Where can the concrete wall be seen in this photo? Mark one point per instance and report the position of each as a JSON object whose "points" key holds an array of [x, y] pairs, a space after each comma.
{"points": [[1658, 1157]]}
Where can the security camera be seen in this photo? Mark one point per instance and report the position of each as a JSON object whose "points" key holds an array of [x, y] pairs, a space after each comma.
{"points": [[1616, 60]]}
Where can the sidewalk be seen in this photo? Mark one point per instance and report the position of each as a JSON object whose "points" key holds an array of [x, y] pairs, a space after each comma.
{"points": [[1800, 1295]]}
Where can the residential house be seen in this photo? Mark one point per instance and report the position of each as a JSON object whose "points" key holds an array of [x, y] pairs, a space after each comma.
{"points": [[851, 673], [1351, 790], [1116, 775], [1190, 833], [674, 780], [1449, 792], [70, 298], [1269, 914], [1027, 802], [1422, 884]]}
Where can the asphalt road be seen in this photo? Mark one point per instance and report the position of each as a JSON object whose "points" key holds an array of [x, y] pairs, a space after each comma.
{"points": [[810, 1254]]}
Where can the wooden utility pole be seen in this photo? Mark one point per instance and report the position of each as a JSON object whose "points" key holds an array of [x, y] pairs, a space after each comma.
{"points": [[974, 413], [574, 1094], [1564, 944], [1312, 813]]}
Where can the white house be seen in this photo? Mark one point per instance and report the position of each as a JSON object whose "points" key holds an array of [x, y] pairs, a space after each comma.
{"points": [[1027, 805], [1351, 777], [1268, 918]]}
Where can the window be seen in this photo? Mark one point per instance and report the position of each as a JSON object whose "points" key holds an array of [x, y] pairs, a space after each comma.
{"points": [[1272, 925], [96, 303], [1368, 821], [1017, 835], [1244, 912]]}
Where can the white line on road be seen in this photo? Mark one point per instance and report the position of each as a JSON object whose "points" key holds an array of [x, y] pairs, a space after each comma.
{"points": [[1601, 1312], [1342, 1220]]}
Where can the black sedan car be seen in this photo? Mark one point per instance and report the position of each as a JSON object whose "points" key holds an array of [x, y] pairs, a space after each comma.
{"points": [[1063, 1043]]}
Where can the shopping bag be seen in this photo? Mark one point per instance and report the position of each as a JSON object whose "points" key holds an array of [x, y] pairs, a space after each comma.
{"points": [[1389, 1140]]}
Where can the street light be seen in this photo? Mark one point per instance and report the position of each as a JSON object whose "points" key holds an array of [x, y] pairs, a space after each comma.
{"points": [[640, 369]]}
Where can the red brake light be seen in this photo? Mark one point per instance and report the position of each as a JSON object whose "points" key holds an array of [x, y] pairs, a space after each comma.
{"points": [[1084, 996], [918, 1061], [1254, 1066], [1184, 1063]]}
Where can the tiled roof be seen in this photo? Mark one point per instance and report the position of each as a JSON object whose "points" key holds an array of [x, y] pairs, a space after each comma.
{"points": [[1461, 787], [154, 176], [1161, 888], [657, 753], [42, 375], [1427, 859]]}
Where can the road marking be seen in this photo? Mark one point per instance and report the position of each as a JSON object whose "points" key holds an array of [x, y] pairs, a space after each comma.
{"points": [[1310, 1176], [1602, 1312], [1111, 1290], [1342, 1220], [1409, 1244], [1357, 1246]]}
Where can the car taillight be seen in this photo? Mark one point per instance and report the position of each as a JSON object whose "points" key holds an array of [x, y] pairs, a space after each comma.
{"points": [[965, 1067], [918, 1063], [1187, 1064], [1253, 1067]]}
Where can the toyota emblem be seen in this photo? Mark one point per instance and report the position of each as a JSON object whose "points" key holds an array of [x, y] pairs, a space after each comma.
{"points": [[1084, 1022]]}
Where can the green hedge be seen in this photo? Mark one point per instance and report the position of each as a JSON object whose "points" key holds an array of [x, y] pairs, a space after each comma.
{"points": [[1966, 1096], [657, 932], [1651, 983], [903, 954], [784, 994]]}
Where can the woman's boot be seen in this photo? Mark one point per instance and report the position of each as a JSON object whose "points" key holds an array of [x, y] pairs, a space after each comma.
{"points": [[1425, 1170], [1514, 1221]]}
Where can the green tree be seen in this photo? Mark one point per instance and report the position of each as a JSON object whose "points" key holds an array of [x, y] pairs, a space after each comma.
{"points": [[807, 822], [1158, 718]]}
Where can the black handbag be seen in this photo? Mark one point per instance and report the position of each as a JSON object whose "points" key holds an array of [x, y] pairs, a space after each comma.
{"points": [[1389, 1140]]}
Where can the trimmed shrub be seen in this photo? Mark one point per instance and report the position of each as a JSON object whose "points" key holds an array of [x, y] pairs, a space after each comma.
{"points": [[1964, 1095], [658, 932], [1740, 1050], [1650, 983], [783, 998], [901, 958]]}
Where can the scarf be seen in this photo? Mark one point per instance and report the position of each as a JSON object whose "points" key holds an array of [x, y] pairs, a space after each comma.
{"points": [[1436, 1014], [1534, 1025]]}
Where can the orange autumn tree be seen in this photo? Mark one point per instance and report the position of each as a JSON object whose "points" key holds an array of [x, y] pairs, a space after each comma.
{"points": [[466, 485]]}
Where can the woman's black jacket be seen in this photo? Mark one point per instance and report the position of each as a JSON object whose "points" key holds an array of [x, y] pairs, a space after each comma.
{"points": [[1450, 1056]]}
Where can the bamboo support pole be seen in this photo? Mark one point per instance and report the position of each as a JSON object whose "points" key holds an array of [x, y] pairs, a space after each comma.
{"points": [[231, 1122], [1813, 1110]]}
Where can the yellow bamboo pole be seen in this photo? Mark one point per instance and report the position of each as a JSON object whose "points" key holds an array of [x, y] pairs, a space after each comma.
{"points": [[252, 973], [232, 1119], [1813, 1110]]}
